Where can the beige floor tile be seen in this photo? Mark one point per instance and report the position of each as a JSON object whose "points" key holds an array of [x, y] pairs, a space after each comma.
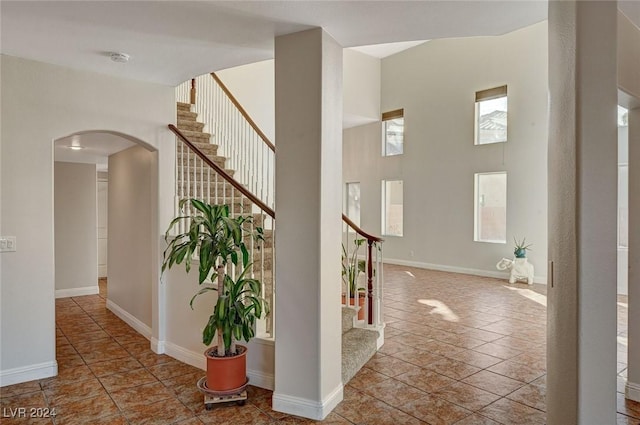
{"points": [[394, 392], [530, 395], [425, 380], [466, 396], [453, 368], [129, 398], [435, 411], [422, 347], [494, 383], [390, 366], [509, 412]]}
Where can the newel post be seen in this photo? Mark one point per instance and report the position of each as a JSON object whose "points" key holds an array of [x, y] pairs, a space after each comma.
{"points": [[193, 92], [370, 281]]}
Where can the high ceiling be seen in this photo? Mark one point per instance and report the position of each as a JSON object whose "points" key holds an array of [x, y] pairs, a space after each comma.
{"points": [[172, 41]]}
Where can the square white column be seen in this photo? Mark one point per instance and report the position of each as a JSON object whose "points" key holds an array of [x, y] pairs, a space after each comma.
{"points": [[633, 339], [581, 336], [308, 96]]}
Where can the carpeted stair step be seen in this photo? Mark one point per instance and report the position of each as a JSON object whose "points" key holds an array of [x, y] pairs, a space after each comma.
{"points": [[187, 115], [266, 234], [259, 219], [358, 346], [204, 171], [196, 136], [263, 257], [194, 191], [206, 148], [191, 157], [189, 125], [183, 106], [214, 189], [347, 318], [243, 206]]}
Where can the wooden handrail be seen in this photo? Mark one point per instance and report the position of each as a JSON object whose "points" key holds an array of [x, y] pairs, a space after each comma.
{"points": [[244, 113], [250, 195], [359, 231], [371, 241], [223, 173]]}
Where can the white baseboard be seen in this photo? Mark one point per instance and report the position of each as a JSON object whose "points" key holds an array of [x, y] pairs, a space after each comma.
{"points": [[261, 379], [463, 270], [19, 375], [129, 319], [380, 340], [189, 357], [632, 391], [77, 292], [196, 359], [307, 408], [157, 346]]}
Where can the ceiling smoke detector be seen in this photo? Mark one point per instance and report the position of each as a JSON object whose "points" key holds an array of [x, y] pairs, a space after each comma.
{"points": [[120, 57]]}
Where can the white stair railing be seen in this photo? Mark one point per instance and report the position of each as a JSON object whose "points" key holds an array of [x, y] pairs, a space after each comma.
{"points": [[250, 153], [197, 176], [248, 150], [362, 274]]}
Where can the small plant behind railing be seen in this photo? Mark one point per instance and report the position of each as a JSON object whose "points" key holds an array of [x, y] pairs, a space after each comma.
{"points": [[352, 267], [365, 297]]}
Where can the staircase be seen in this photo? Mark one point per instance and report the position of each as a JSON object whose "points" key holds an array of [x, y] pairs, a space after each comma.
{"points": [[358, 345], [196, 179], [242, 153]]}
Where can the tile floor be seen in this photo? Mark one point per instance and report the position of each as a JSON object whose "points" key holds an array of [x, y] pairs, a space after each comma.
{"points": [[459, 350]]}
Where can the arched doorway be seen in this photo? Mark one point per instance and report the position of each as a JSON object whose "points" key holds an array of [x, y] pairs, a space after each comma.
{"points": [[128, 234]]}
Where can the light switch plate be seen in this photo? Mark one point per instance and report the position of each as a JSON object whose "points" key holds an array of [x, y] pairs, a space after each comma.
{"points": [[7, 243]]}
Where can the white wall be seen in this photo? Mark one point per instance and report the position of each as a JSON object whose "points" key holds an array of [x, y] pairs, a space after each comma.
{"points": [[435, 83], [130, 232], [76, 257], [41, 103], [628, 56], [361, 88], [253, 85]]}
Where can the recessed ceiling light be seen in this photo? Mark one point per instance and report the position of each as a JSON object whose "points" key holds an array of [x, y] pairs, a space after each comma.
{"points": [[120, 57], [75, 147]]}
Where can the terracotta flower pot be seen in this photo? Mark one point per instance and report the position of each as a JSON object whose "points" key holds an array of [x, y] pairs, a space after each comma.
{"points": [[226, 373], [360, 304]]}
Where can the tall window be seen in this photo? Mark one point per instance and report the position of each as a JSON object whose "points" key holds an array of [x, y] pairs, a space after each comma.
{"points": [[352, 205], [392, 207], [393, 132], [491, 207], [491, 116]]}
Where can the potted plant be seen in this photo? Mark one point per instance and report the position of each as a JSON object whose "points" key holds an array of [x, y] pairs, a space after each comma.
{"points": [[520, 249], [352, 267], [217, 239]]}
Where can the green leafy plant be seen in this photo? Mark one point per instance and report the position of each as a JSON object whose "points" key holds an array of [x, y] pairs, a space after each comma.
{"points": [[352, 267], [218, 240], [521, 247]]}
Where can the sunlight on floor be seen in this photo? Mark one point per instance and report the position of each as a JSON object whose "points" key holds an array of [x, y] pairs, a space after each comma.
{"points": [[623, 305], [441, 308], [532, 295], [409, 273]]}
